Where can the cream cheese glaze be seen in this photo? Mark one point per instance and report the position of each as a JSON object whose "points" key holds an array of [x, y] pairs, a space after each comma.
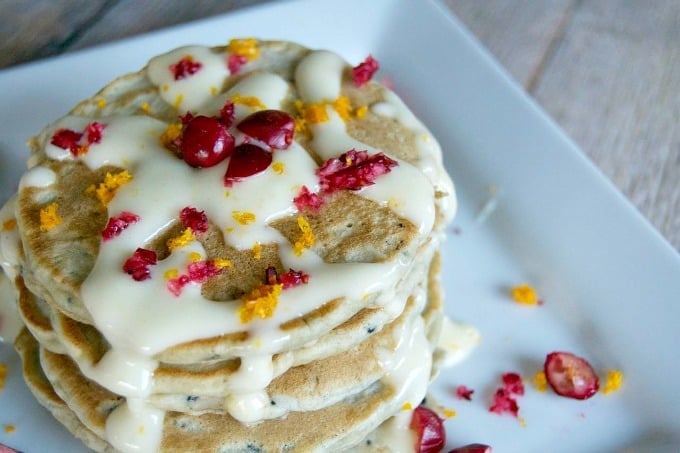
{"points": [[141, 319]]}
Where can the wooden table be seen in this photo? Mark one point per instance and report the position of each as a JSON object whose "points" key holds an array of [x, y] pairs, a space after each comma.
{"points": [[608, 71]]}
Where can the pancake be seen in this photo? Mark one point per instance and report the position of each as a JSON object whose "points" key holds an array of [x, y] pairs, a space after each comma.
{"points": [[227, 246]]}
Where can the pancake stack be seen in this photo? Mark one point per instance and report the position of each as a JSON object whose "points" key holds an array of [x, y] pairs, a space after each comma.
{"points": [[233, 249]]}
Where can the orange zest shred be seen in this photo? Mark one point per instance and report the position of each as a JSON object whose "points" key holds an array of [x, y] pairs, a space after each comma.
{"points": [[522, 422], [49, 217], [170, 274], [101, 103], [524, 294], [3, 375], [243, 217], [613, 382], [107, 189], [195, 257], [171, 133], [257, 251], [9, 429], [361, 111], [306, 239], [406, 406], [221, 263], [315, 113], [540, 381], [145, 107], [449, 413], [260, 302], [343, 106], [249, 101], [245, 47], [183, 239], [9, 224], [278, 167], [178, 101]]}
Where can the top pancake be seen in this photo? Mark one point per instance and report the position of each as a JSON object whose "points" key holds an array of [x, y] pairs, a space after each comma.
{"points": [[349, 227]]}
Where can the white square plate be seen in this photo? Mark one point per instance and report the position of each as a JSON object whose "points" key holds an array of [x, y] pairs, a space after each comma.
{"points": [[611, 285]]}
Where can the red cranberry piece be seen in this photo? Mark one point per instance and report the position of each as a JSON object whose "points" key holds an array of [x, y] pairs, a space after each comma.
{"points": [[194, 219], [246, 160], [570, 375], [67, 139], [138, 264], [464, 393], [227, 113], [205, 142], [512, 382], [273, 127], [116, 225], [293, 278], [353, 170], [430, 430], [472, 448], [364, 72], [503, 402]]}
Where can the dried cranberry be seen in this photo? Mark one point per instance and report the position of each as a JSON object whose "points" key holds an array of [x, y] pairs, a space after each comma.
{"points": [[464, 393], [273, 127], [198, 272], [205, 142], [512, 382], [67, 139], [353, 170], [570, 375], [234, 63], [194, 219], [246, 160], [185, 67], [116, 225], [307, 200], [293, 278], [472, 448], [227, 113], [364, 71], [271, 276], [503, 402], [138, 264], [94, 132], [430, 430]]}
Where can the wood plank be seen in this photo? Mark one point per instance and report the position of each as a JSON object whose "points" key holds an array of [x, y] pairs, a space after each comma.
{"points": [[132, 17], [519, 33], [609, 73], [39, 28], [613, 84]]}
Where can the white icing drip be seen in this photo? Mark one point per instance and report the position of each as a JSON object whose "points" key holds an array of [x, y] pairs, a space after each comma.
{"points": [[319, 75], [134, 427], [196, 89], [248, 407], [10, 321], [430, 160], [408, 369], [10, 241], [269, 89], [10, 253], [255, 373], [456, 341], [122, 372], [37, 177]]}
